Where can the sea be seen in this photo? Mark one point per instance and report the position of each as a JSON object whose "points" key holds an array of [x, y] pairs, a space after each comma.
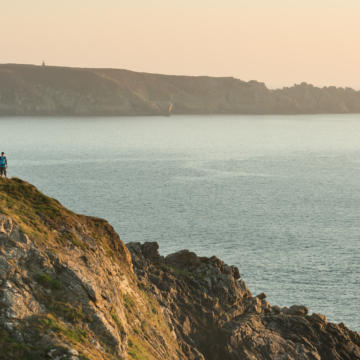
{"points": [[277, 196]]}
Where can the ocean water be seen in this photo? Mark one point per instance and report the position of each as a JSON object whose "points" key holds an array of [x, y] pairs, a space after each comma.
{"points": [[277, 196]]}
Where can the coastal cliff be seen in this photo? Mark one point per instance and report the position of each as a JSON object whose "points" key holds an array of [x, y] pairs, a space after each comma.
{"points": [[71, 289], [50, 90]]}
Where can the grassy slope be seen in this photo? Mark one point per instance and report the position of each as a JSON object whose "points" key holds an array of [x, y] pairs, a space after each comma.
{"points": [[44, 218]]}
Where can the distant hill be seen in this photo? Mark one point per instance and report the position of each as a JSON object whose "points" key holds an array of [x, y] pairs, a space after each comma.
{"points": [[51, 90]]}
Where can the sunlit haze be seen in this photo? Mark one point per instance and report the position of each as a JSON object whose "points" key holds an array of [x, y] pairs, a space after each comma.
{"points": [[279, 42]]}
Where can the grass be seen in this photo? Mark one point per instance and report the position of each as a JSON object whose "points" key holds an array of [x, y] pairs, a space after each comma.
{"points": [[179, 271], [68, 236], [49, 224], [71, 332], [15, 350], [109, 253], [35, 213], [117, 322], [48, 281], [20, 194], [144, 328], [75, 335], [138, 350], [68, 311], [128, 302]]}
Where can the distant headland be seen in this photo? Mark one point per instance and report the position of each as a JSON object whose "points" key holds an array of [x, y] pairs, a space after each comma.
{"points": [[30, 90]]}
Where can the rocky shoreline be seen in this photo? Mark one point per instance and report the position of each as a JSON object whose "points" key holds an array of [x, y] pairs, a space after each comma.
{"points": [[71, 289]]}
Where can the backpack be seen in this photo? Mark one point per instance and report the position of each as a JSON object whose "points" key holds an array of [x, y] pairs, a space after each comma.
{"points": [[2, 161]]}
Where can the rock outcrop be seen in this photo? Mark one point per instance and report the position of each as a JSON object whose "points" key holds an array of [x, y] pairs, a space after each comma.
{"points": [[50, 90], [71, 289], [215, 315]]}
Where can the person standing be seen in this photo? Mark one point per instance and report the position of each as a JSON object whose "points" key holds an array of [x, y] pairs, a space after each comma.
{"points": [[3, 165]]}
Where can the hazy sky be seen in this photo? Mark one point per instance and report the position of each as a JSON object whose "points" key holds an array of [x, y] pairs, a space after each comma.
{"points": [[280, 42]]}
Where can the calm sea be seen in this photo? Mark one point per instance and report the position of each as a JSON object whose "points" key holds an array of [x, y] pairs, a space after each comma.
{"points": [[278, 196]]}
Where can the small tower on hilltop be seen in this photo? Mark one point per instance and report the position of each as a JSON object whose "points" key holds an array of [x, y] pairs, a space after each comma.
{"points": [[43, 63]]}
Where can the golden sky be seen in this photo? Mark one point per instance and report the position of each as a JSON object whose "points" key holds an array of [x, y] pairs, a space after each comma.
{"points": [[279, 42]]}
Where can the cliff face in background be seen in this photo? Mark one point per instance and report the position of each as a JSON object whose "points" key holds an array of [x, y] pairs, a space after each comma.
{"points": [[71, 289], [48, 90]]}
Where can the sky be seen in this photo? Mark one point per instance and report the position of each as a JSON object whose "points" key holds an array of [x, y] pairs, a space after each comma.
{"points": [[279, 42]]}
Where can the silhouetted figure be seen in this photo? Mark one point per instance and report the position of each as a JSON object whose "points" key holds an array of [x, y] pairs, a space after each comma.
{"points": [[3, 165]]}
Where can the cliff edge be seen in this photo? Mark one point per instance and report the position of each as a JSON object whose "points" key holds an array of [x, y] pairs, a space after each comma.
{"points": [[71, 289]]}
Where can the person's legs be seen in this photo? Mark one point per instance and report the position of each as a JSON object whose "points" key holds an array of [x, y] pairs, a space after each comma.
{"points": [[2, 172]]}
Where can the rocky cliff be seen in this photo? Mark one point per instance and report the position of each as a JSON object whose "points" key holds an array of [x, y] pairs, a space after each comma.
{"points": [[71, 289], [50, 90]]}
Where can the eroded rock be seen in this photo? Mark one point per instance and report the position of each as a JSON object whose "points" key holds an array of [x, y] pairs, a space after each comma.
{"points": [[71, 289]]}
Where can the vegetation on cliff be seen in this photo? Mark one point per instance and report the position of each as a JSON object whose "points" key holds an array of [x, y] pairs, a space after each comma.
{"points": [[50, 90], [71, 289], [67, 288]]}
